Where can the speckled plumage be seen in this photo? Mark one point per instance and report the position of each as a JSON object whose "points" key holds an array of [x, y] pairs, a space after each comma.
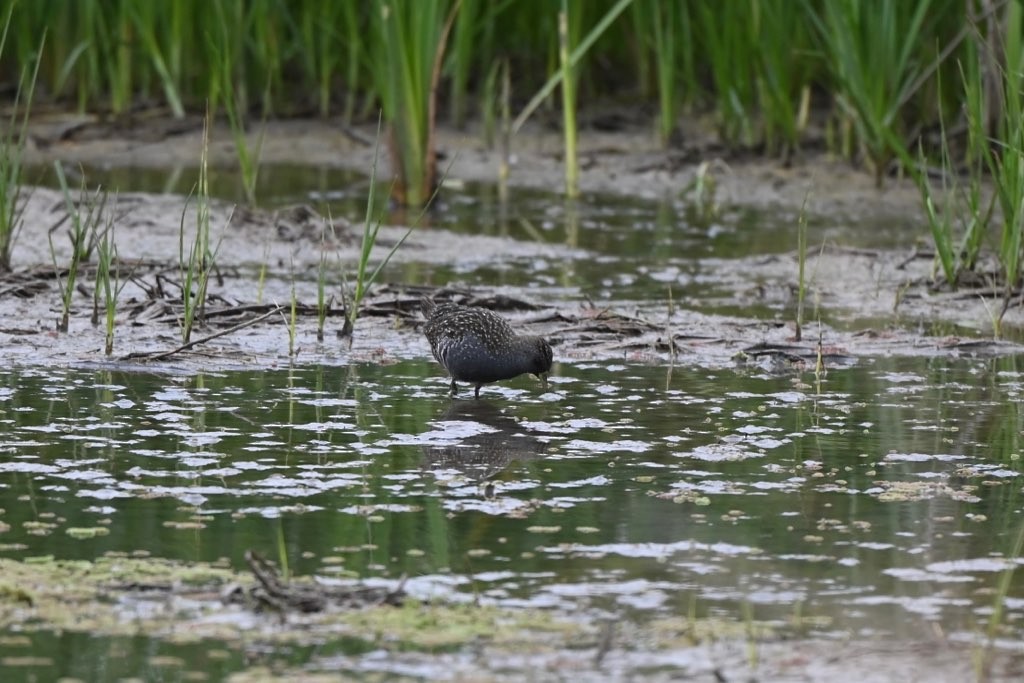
{"points": [[478, 346]]}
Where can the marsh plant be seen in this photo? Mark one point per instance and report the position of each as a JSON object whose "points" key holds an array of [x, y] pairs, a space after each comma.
{"points": [[371, 227], [664, 26], [960, 210], [752, 63], [1004, 157]]}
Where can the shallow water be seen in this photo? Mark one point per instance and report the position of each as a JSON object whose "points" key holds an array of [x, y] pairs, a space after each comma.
{"points": [[638, 248], [883, 501]]}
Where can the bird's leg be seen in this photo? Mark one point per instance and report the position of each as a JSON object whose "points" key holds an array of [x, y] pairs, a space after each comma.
{"points": [[476, 394], [454, 388]]}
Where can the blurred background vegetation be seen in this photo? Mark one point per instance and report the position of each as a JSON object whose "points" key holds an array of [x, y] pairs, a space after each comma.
{"points": [[873, 73], [928, 88]]}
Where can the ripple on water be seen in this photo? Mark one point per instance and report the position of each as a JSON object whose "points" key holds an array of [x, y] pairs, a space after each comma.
{"points": [[634, 491]]}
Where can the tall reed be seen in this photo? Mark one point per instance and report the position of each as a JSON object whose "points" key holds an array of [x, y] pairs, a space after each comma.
{"points": [[144, 19], [566, 39], [728, 36], [659, 23], [465, 51], [321, 25], [410, 39], [1005, 161], [872, 52], [783, 73], [12, 148]]}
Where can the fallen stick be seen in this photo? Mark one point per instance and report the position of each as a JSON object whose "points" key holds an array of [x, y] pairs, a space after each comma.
{"points": [[158, 355]]}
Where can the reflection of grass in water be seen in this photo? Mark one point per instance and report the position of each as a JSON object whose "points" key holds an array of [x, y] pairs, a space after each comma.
{"points": [[983, 653]]}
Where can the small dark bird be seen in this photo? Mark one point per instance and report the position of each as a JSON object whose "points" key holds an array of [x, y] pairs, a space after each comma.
{"points": [[477, 346]]}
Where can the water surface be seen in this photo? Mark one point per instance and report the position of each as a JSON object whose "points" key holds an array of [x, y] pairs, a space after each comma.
{"points": [[882, 500]]}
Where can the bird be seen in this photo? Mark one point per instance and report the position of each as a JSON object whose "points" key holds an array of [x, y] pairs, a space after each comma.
{"points": [[478, 346]]}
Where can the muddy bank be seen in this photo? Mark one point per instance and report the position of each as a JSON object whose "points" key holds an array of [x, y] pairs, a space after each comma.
{"points": [[627, 160], [872, 302]]}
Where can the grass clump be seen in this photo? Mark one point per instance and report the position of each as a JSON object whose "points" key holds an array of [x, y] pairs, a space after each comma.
{"points": [[84, 232]]}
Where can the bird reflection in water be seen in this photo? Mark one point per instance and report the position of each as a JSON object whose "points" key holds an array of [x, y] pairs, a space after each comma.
{"points": [[483, 452]]}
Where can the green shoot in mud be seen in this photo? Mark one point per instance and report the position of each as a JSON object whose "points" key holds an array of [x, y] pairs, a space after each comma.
{"points": [[83, 232], [965, 206], [261, 278], [293, 318], [323, 303], [1005, 161], [197, 267], [108, 279], [801, 256], [957, 206], [12, 148]]}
